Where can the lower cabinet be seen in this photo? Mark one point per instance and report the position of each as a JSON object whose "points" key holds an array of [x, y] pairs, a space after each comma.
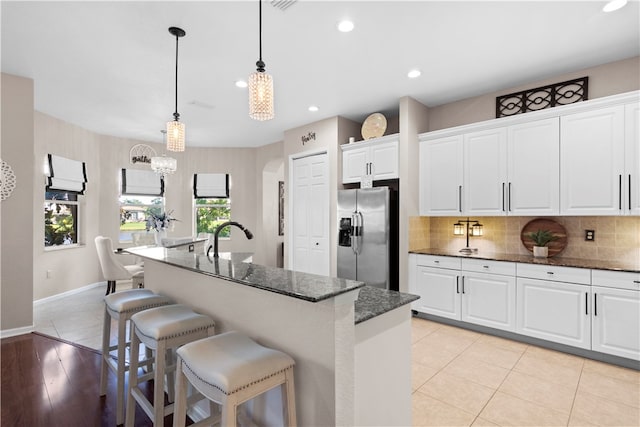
{"points": [[554, 311], [595, 310], [489, 300], [616, 322]]}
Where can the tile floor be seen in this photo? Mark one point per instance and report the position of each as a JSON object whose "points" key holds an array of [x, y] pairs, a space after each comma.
{"points": [[460, 377]]}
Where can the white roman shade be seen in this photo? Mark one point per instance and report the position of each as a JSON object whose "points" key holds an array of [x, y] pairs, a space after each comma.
{"points": [[66, 174], [211, 185], [142, 183]]}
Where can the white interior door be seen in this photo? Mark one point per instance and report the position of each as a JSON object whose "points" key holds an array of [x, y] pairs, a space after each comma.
{"points": [[310, 210]]}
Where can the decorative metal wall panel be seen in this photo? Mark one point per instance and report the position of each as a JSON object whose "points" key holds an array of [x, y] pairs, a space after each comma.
{"points": [[543, 97]]}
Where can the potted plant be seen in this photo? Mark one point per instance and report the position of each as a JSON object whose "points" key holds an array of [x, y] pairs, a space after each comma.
{"points": [[541, 238]]}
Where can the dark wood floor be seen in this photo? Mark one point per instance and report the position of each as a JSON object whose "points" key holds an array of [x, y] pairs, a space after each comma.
{"points": [[47, 382]]}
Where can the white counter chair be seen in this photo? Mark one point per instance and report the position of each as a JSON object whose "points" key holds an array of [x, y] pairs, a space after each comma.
{"points": [[113, 270], [120, 306], [230, 369], [162, 330]]}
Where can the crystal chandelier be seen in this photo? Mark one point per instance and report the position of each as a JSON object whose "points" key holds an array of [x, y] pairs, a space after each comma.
{"points": [[260, 85], [176, 129], [163, 165]]}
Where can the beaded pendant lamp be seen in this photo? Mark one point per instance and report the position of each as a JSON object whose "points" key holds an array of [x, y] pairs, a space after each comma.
{"points": [[175, 128], [164, 165], [260, 85]]}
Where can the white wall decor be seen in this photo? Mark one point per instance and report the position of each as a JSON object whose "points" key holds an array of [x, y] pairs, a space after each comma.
{"points": [[7, 180], [141, 153]]}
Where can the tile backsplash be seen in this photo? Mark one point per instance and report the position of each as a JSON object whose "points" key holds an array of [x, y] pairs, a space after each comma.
{"points": [[616, 238]]}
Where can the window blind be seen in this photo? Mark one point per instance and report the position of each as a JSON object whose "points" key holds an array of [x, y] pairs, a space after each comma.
{"points": [[66, 174], [207, 185], [142, 183]]}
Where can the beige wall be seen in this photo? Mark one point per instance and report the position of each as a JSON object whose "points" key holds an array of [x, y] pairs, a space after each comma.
{"points": [[16, 286]]}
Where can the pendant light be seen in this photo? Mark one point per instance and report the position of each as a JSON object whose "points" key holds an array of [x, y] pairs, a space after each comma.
{"points": [[260, 85], [163, 165], [176, 129]]}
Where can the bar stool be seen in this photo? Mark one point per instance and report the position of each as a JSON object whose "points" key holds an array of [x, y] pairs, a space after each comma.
{"points": [[161, 329], [121, 306], [230, 369]]}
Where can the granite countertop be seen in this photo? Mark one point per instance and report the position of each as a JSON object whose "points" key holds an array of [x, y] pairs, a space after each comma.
{"points": [[373, 302], [529, 259], [232, 267]]}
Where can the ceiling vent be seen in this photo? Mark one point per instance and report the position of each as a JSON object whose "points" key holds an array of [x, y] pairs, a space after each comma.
{"points": [[282, 4]]}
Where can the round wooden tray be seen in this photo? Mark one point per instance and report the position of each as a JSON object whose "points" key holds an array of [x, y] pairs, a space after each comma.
{"points": [[555, 246]]}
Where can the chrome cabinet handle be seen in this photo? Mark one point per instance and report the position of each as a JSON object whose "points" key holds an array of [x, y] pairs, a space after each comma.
{"points": [[619, 192], [463, 284], [459, 198], [457, 284], [595, 304], [586, 303], [503, 195], [629, 192], [509, 198]]}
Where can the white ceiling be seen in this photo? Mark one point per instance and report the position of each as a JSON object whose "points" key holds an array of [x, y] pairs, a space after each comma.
{"points": [[109, 66]]}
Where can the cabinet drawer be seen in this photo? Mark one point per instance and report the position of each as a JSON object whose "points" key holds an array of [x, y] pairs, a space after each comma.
{"points": [[439, 261], [494, 267], [616, 279], [555, 273]]}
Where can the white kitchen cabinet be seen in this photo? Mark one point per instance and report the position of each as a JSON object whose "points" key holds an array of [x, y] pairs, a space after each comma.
{"points": [[615, 326], [632, 159], [438, 287], [553, 311], [377, 157], [533, 168], [489, 299], [485, 172], [441, 163], [592, 147]]}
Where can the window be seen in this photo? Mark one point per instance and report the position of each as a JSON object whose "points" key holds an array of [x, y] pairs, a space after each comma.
{"points": [[60, 218], [211, 212], [212, 203], [134, 211]]}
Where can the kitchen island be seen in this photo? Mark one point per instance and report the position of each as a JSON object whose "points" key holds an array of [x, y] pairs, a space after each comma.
{"points": [[353, 355]]}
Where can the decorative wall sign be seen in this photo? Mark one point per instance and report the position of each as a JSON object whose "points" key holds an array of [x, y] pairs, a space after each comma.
{"points": [[308, 137], [280, 208], [7, 180], [141, 153], [542, 97]]}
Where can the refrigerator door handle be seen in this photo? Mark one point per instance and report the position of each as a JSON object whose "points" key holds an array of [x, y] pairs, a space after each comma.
{"points": [[354, 233], [360, 222]]}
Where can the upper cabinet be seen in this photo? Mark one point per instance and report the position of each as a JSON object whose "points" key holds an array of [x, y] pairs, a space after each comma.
{"points": [[592, 162], [376, 157], [632, 158], [578, 159], [510, 170]]}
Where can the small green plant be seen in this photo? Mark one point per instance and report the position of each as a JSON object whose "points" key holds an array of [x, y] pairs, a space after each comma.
{"points": [[542, 237]]}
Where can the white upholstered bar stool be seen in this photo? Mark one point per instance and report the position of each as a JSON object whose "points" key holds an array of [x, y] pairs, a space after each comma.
{"points": [[121, 306], [230, 369], [162, 330]]}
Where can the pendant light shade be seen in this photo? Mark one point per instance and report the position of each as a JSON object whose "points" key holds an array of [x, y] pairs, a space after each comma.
{"points": [[163, 165], [175, 129], [261, 85]]}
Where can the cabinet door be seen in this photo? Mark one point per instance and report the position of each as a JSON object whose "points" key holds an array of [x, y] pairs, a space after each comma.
{"points": [[533, 151], [384, 160], [489, 300], [485, 172], [354, 164], [631, 180], [441, 176], [553, 311], [616, 322], [439, 292], [592, 162]]}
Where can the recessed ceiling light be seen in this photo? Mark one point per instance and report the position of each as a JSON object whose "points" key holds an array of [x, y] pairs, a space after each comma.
{"points": [[313, 108], [413, 74], [614, 5], [241, 83], [345, 26]]}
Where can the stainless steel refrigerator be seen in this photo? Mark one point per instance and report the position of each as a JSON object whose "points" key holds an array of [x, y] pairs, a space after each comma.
{"points": [[367, 226]]}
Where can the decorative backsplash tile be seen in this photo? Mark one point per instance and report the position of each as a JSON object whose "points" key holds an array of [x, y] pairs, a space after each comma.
{"points": [[616, 238]]}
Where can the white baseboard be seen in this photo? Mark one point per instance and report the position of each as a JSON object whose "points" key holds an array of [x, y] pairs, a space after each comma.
{"points": [[15, 332], [68, 293]]}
